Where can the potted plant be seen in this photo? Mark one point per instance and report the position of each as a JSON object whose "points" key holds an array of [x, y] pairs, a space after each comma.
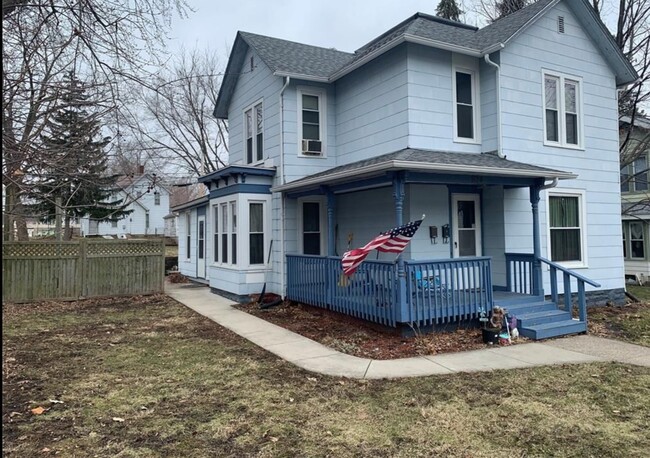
{"points": [[491, 328]]}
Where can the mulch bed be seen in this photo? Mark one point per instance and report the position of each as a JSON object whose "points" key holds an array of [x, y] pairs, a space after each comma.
{"points": [[361, 338]]}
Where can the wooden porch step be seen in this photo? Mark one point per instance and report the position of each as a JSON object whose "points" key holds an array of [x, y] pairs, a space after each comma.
{"points": [[540, 317], [554, 329]]}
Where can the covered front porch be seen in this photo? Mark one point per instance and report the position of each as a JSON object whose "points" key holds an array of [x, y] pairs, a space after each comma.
{"points": [[457, 267]]}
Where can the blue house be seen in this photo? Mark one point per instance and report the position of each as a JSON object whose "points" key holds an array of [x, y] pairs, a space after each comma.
{"points": [[505, 137]]}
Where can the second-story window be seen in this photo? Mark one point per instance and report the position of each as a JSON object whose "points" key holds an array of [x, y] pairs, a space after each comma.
{"points": [[156, 198], [464, 100], [254, 133], [311, 122], [562, 111], [634, 176]]}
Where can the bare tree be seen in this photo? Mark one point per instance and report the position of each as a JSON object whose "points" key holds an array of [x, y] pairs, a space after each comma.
{"points": [[105, 42], [176, 120]]}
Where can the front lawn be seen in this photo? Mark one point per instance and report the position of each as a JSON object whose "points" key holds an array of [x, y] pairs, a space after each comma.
{"points": [[630, 322], [144, 377]]}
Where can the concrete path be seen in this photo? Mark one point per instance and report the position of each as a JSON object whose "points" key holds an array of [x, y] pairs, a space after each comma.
{"points": [[315, 357]]}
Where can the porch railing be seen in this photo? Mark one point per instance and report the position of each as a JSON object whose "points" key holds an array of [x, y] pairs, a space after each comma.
{"points": [[519, 270], [369, 294], [448, 290], [567, 275]]}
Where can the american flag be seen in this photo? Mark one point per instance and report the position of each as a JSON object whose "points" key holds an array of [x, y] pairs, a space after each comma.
{"points": [[393, 241]]}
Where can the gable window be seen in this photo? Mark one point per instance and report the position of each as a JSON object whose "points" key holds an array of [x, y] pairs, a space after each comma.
{"points": [[637, 240], [566, 223], [634, 176], [156, 198], [254, 133], [311, 122], [256, 233], [562, 111]]}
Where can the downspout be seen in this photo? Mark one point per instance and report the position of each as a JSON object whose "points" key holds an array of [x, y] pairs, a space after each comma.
{"points": [[283, 292], [498, 103]]}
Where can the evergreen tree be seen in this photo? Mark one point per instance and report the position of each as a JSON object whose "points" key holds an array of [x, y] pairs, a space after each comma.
{"points": [[449, 9], [76, 164]]}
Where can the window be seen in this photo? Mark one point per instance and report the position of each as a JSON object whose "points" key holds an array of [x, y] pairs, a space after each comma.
{"points": [[634, 176], [311, 109], [233, 231], [215, 211], [224, 233], [567, 227], [188, 228], [311, 231], [256, 233], [464, 100], [201, 237], [624, 241], [113, 223], [562, 111], [156, 198], [146, 220], [254, 133], [637, 240]]}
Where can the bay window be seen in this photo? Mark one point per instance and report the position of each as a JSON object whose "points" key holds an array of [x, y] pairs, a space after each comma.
{"points": [[256, 233]]}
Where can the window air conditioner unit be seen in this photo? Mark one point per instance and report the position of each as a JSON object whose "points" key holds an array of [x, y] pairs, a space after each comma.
{"points": [[312, 147]]}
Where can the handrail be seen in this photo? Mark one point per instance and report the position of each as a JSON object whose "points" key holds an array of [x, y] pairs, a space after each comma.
{"points": [[570, 272]]}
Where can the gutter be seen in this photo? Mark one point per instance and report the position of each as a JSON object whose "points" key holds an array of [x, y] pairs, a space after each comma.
{"points": [[498, 100]]}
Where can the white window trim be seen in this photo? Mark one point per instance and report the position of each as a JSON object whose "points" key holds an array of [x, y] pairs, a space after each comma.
{"points": [[323, 223], [582, 202], [215, 231], [476, 102], [265, 233], [242, 202], [251, 107], [644, 240], [561, 113], [322, 104], [188, 235]]}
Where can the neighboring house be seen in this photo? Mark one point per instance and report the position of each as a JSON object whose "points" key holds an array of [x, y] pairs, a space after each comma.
{"points": [[170, 225], [505, 137], [149, 201], [635, 200]]}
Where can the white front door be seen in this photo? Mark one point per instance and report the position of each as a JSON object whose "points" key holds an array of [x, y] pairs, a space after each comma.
{"points": [[200, 239], [466, 223]]}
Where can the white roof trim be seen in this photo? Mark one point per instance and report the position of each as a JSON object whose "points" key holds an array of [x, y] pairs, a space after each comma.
{"points": [[426, 166]]}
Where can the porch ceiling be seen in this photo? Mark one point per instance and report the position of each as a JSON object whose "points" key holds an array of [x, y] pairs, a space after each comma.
{"points": [[429, 162]]}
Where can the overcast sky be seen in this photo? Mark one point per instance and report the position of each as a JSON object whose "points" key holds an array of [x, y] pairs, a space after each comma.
{"points": [[344, 25]]}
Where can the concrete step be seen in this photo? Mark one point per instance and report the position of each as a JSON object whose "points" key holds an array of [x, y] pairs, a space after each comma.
{"points": [[546, 316], [554, 329]]}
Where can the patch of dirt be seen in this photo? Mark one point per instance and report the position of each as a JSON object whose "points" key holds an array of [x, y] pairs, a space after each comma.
{"points": [[610, 320], [363, 339]]}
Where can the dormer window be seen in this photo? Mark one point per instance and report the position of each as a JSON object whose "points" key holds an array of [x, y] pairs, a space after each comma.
{"points": [[254, 133]]}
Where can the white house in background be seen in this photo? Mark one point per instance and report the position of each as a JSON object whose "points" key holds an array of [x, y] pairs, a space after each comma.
{"points": [[170, 224], [149, 201], [506, 137], [635, 206]]}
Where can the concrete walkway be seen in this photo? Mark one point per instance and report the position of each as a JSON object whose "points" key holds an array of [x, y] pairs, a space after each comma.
{"points": [[315, 357]]}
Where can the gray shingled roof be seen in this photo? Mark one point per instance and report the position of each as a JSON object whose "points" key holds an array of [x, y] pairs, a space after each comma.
{"points": [[439, 161], [284, 56]]}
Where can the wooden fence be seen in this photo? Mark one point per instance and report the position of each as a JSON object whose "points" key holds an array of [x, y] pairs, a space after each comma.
{"points": [[33, 271]]}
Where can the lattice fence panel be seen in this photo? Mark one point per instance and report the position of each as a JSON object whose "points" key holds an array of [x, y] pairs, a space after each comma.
{"points": [[122, 248], [40, 249]]}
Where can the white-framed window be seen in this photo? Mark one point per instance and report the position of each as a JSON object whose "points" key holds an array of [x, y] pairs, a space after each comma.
{"points": [[634, 176], [233, 232], [637, 240], [566, 218], [563, 123], [312, 117], [188, 236], [224, 233], [311, 226], [256, 233], [466, 121], [215, 241], [156, 198], [114, 223], [254, 133]]}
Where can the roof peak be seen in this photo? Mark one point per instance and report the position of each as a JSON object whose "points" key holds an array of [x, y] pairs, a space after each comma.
{"points": [[251, 34], [442, 20]]}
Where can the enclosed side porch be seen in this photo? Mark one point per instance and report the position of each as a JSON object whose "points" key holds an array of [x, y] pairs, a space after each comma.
{"points": [[455, 266]]}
